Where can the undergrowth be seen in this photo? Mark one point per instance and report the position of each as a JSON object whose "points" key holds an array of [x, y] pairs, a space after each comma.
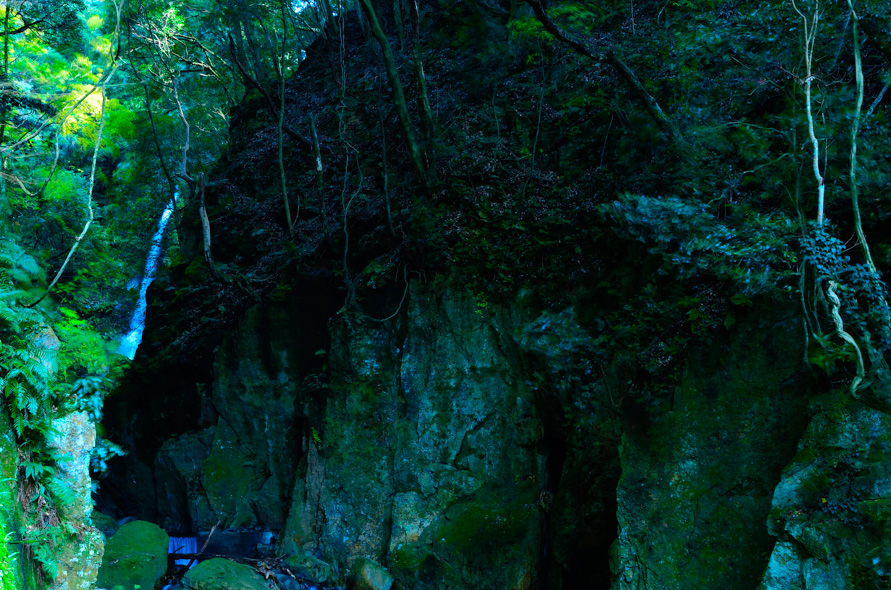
{"points": [[29, 359]]}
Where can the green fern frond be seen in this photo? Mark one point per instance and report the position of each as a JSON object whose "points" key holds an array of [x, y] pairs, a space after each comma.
{"points": [[7, 294], [18, 422], [61, 493]]}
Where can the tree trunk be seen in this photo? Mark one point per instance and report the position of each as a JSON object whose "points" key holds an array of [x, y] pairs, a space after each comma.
{"points": [[427, 126], [281, 122], [398, 93], [205, 230]]}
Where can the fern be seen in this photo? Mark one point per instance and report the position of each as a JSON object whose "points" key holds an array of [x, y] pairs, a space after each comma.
{"points": [[62, 494]]}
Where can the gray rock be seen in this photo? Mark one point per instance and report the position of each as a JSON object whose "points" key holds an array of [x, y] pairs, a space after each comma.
{"points": [[79, 558]]}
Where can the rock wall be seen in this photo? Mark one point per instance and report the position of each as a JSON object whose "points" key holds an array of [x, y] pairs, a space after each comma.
{"points": [[78, 560], [697, 481], [456, 446], [411, 442], [830, 511], [425, 462]]}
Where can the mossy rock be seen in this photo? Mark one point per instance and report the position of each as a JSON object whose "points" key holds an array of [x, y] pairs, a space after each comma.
{"points": [[222, 574], [104, 523], [135, 558]]}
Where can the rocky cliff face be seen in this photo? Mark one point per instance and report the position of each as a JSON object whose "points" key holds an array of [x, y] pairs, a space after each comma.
{"points": [[696, 486], [441, 445], [415, 443]]}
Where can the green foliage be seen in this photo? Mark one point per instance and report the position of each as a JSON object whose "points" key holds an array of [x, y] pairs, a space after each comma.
{"points": [[27, 358], [83, 349], [751, 249], [8, 565]]}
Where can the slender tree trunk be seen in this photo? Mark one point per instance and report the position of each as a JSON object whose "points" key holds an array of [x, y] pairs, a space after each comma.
{"points": [[205, 231], [400, 23], [5, 209], [398, 93], [323, 201], [4, 102], [90, 216], [855, 127], [281, 122], [386, 172], [810, 39], [330, 21], [427, 126], [248, 28]]}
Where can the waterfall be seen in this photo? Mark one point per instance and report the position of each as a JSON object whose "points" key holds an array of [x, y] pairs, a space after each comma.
{"points": [[185, 545], [131, 341]]}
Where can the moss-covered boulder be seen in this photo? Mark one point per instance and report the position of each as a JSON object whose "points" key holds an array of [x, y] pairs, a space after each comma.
{"points": [[104, 523], [135, 558], [222, 574]]}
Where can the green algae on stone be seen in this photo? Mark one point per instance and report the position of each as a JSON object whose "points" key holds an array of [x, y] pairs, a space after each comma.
{"points": [[222, 574], [135, 557], [310, 567], [489, 538], [699, 478]]}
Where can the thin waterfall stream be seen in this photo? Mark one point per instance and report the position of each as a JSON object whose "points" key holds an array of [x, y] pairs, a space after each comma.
{"points": [[133, 338]]}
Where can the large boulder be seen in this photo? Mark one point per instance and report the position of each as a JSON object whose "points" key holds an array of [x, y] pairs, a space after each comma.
{"points": [[369, 575], [222, 574], [135, 558]]}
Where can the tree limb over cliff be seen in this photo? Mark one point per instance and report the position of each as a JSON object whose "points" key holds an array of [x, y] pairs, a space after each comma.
{"points": [[626, 73]]}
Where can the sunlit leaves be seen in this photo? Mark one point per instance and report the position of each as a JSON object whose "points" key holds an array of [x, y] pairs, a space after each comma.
{"points": [[94, 22]]}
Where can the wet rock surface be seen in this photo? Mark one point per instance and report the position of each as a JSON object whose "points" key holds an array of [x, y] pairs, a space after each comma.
{"points": [[831, 503]]}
